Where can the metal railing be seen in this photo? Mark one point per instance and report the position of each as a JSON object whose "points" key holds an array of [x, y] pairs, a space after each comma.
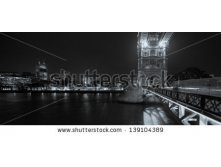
{"points": [[191, 108]]}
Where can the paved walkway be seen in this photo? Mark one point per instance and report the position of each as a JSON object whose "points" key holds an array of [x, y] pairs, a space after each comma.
{"points": [[158, 115]]}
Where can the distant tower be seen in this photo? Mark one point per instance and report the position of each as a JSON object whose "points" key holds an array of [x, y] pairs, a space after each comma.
{"points": [[152, 60], [41, 71]]}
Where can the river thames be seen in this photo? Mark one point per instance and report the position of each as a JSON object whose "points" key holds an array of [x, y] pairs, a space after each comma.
{"points": [[78, 109]]}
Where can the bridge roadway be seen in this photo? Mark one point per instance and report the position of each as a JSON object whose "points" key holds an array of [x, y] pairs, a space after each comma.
{"points": [[201, 91]]}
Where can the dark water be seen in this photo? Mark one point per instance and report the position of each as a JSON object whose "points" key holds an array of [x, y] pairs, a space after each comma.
{"points": [[77, 109]]}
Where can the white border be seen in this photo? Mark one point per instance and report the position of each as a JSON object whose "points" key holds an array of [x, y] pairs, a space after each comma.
{"points": [[182, 146], [38, 146], [110, 15]]}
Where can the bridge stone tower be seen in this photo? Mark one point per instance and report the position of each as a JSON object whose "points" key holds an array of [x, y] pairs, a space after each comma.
{"points": [[152, 60]]}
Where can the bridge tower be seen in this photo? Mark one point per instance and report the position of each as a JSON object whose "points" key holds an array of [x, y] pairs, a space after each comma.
{"points": [[152, 59]]}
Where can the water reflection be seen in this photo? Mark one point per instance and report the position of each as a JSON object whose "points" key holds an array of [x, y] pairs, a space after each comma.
{"points": [[157, 115], [78, 109], [85, 96], [42, 96]]}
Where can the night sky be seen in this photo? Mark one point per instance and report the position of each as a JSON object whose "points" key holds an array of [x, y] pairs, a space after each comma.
{"points": [[107, 52]]}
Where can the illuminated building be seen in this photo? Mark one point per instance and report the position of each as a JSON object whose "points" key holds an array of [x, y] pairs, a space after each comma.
{"points": [[41, 71], [13, 81]]}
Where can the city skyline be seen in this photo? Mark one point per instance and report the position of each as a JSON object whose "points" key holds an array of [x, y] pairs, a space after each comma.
{"points": [[101, 51]]}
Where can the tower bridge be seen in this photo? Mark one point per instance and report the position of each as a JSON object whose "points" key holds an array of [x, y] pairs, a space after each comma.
{"points": [[188, 107], [152, 60]]}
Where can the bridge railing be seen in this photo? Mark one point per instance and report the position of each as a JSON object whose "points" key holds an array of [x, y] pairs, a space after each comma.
{"points": [[210, 106]]}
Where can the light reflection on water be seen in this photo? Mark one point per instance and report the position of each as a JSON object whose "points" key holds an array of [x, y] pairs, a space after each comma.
{"points": [[85, 96], [78, 109]]}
